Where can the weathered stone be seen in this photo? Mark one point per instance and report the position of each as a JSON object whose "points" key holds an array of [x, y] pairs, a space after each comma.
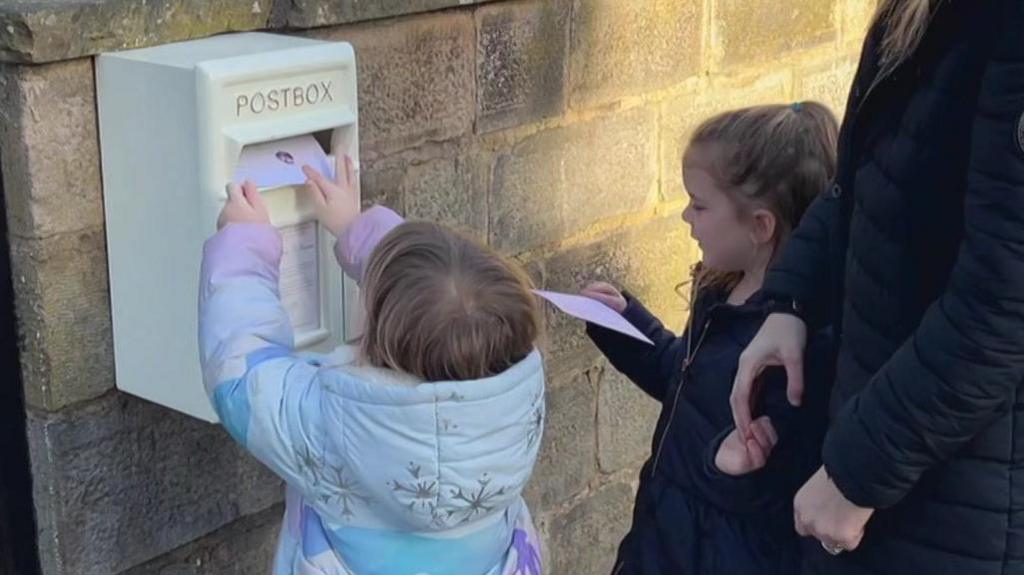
{"points": [[313, 13], [444, 184], [857, 17], [449, 191], [583, 541], [680, 116], [521, 62], [752, 31], [118, 481], [63, 311], [568, 458], [649, 261], [627, 48], [625, 422], [829, 85], [416, 80], [245, 547], [382, 184], [49, 148], [50, 30], [660, 256], [566, 343], [557, 182]]}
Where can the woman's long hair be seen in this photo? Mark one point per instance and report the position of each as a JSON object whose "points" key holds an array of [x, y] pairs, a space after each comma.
{"points": [[905, 23]]}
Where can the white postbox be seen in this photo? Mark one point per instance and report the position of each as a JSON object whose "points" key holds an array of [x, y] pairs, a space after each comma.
{"points": [[174, 121]]}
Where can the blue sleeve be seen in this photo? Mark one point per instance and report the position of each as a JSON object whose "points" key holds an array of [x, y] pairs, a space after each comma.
{"points": [[267, 399]]}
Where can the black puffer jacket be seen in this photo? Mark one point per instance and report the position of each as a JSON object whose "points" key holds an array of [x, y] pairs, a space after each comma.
{"points": [[919, 250], [689, 517]]}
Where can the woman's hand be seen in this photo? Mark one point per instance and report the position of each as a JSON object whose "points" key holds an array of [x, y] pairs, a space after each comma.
{"points": [[244, 205], [821, 511], [738, 456], [605, 293], [337, 202], [780, 341]]}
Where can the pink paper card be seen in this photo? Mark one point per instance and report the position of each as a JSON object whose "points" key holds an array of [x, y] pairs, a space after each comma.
{"points": [[593, 311], [279, 163]]}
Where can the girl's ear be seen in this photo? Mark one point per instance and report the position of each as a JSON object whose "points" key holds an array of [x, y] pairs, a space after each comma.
{"points": [[763, 229]]}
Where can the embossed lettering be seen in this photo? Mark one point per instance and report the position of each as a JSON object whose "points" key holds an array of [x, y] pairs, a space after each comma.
{"points": [[258, 108], [240, 103], [325, 86], [258, 102]]}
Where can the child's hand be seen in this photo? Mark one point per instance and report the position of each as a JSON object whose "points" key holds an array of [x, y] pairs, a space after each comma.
{"points": [[606, 294], [244, 205], [738, 457], [337, 203]]}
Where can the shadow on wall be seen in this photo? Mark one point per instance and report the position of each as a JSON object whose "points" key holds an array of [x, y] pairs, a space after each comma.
{"points": [[18, 553]]}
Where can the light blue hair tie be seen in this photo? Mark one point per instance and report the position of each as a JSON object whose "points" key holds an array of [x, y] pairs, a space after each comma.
{"points": [[797, 106]]}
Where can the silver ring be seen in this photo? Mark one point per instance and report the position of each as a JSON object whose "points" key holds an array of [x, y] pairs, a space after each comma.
{"points": [[832, 549]]}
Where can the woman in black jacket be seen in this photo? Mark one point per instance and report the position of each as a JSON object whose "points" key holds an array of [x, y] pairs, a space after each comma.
{"points": [[709, 502], [916, 258]]}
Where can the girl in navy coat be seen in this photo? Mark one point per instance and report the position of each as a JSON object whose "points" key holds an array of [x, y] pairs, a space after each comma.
{"points": [[711, 501]]}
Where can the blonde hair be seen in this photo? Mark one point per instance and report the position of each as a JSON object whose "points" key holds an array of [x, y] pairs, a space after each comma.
{"points": [[775, 157], [441, 307], [905, 23]]}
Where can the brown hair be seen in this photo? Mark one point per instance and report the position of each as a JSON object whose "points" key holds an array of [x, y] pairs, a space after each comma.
{"points": [[905, 23], [441, 307], [775, 157]]}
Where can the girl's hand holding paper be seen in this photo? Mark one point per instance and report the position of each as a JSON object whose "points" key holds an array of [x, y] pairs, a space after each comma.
{"points": [[593, 311]]}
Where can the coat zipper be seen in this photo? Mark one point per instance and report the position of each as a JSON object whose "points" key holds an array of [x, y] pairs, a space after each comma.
{"points": [[690, 355]]}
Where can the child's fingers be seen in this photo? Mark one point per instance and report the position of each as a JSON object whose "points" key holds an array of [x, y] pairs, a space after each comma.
{"points": [[234, 192], [766, 424], [606, 300], [314, 191], [252, 195], [340, 173], [605, 293], [602, 287], [350, 173], [756, 454], [317, 177], [764, 435], [757, 434], [599, 296]]}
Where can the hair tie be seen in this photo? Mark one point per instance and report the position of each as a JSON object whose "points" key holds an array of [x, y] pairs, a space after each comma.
{"points": [[797, 106]]}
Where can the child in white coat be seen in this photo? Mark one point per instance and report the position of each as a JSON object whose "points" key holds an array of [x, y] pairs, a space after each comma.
{"points": [[407, 454]]}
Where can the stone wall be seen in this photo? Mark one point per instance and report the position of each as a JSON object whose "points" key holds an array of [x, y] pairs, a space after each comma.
{"points": [[551, 129]]}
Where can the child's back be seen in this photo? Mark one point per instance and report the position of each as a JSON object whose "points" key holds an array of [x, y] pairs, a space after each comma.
{"points": [[391, 469], [401, 478]]}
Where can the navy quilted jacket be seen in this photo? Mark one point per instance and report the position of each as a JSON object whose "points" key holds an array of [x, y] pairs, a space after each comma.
{"points": [[916, 258], [689, 517]]}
